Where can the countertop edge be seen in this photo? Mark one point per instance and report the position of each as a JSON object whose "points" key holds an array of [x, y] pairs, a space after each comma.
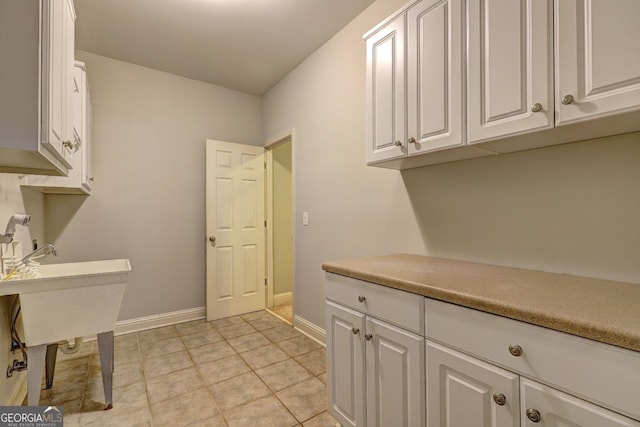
{"points": [[585, 329]]}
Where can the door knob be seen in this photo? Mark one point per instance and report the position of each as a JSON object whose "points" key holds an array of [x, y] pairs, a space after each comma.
{"points": [[499, 398], [536, 108], [515, 350], [212, 239], [533, 415]]}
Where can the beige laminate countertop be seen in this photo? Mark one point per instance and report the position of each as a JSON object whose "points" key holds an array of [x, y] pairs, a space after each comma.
{"points": [[601, 310]]}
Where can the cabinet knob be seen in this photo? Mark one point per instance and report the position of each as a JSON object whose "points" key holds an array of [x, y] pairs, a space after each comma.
{"points": [[567, 99], [536, 108], [67, 144], [368, 337], [91, 179], [533, 415], [212, 239], [397, 143], [361, 298], [499, 399], [515, 350], [355, 330], [412, 140]]}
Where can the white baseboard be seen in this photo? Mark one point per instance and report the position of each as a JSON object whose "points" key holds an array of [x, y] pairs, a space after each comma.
{"points": [[314, 332], [159, 320], [282, 298]]}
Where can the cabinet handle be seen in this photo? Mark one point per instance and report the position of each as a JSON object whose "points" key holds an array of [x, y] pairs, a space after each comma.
{"points": [[499, 399], [567, 99], [515, 350], [355, 330], [533, 415], [368, 337], [536, 108], [397, 143], [67, 144], [412, 140], [361, 298]]}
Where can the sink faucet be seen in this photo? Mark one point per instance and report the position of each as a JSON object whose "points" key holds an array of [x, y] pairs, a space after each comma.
{"points": [[44, 249]]}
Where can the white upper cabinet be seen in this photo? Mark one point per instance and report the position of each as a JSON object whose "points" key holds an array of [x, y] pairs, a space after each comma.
{"points": [[510, 63], [79, 179], [435, 82], [386, 130], [597, 58], [37, 51], [486, 77]]}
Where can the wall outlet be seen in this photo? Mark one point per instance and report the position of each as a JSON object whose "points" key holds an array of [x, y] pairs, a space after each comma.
{"points": [[305, 218]]}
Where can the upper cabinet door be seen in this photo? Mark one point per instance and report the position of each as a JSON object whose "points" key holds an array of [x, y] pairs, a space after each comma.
{"points": [[510, 68], [58, 51], [597, 58], [385, 97], [435, 47]]}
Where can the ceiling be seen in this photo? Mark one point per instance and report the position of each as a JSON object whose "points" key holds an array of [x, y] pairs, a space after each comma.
{"points": [[247, 45]]}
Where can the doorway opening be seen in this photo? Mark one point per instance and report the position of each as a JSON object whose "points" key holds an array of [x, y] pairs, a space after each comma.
{"points": [[280, 226]]}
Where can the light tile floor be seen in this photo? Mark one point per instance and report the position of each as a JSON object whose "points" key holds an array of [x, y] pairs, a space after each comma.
{"points": [[285, 311], [250, 370]]}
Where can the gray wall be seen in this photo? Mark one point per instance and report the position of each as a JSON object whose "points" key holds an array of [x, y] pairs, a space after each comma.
{"points": [[569, 209], [148, 204]]}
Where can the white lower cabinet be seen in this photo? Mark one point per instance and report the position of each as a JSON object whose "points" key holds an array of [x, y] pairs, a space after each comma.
{"points": [[463, 391], [397, 359], [505, 373], [375, 369]]}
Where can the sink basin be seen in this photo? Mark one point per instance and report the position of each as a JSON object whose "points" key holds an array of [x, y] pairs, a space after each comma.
{"points": [[70, 300]]}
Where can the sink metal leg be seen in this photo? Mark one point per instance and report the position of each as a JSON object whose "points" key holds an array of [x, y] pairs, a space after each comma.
{"points": [[50, 364], [105, 348], [35, 368]]}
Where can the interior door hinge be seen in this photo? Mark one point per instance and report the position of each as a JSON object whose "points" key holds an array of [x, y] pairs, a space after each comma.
{"points": [[265, 165]]}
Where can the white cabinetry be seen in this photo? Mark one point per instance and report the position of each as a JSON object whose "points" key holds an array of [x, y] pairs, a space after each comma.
{"points": [[427, 77], [37, 51], [481, 77], [515, 374], [79, 179], [375, 359], [510, 63], [466, 392], [597, 58]]}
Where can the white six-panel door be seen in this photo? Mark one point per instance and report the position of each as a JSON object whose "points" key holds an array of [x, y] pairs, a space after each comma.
{"points": [[510, 60], [235, 229]]}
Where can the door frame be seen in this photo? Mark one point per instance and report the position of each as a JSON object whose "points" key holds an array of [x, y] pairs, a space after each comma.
{"points": [[269, 145]]}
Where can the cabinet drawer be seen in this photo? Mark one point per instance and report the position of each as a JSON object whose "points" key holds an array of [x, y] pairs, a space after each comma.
{"points": [[601, 373], [400, 308]]}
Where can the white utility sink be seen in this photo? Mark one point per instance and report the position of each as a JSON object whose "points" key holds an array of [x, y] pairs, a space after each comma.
{"points": [[70, 300]]}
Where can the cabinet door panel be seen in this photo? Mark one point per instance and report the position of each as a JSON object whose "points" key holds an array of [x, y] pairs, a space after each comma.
{"points": [[395, 376], [460, 391], [385, 97], [597, 58], [558, 409], [434, 74], [509, 68], [345, 363]]}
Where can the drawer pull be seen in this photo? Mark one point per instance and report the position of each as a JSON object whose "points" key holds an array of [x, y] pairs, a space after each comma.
{"points": [[355, 330], [499, 399], [368, 337], [361, 298], [515, 350], [533, 415]]}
